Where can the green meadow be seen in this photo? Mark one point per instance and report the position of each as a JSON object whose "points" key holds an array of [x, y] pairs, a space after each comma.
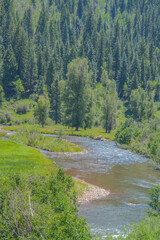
{"points": [[45, 142], [17, 159]]}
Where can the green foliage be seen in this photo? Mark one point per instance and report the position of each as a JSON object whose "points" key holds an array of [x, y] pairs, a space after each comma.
{"points": [[19, 89], [60, 129], [5, 117], [38, 40], [10, 71], [110, 102], [41, 110], [41, 207], [36, 200], [29, 136], [76, 96], [125, 136], [147, 229], [2, 134], [1, 95], [55, 100], [22, 107], [155, 201], [141, 105], [124, 133]]}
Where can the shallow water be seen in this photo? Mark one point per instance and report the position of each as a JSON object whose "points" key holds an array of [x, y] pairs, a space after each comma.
{"points": [[128, 176]]}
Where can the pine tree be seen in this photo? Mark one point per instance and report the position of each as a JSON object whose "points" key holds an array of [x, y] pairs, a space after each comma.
{"points": [[9, 72], [101, 55], [116, 59], [80, 9], [23, 60], [50, 74], [28, 23], [1, 95], [55, 100], [32, 74], [109, 105], [122, 77]]}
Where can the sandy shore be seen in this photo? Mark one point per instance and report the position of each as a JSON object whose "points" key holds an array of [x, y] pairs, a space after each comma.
{"points": [[93, 193]]}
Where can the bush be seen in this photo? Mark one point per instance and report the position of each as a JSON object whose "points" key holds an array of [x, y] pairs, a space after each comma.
{"points": [[5, 117], [124, 133], [41, 208], [155, 201], [22, 107], [125, 136]]}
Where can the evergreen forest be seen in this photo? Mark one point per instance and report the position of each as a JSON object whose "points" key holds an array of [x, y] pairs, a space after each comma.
{"points": [[110, 47]]}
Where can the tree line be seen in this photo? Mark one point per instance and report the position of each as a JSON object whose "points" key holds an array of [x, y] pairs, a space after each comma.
{"points": [[82, 56]]}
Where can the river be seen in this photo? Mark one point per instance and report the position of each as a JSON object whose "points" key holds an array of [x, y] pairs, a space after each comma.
{"points": [[127, 175]]}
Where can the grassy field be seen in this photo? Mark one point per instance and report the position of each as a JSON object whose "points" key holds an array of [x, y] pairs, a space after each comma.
{"points": [[63, 130], [16, 159], [44, 142]]}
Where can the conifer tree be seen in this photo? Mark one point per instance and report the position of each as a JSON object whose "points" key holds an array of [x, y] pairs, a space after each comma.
{"points": [[1, 95], [9, 72], [122, 77], [80, 9], [55, 101], [28, 23], [110, 105], [50, 74]]}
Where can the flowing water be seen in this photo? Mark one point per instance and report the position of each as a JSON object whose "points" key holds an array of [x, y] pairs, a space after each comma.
{"points": [[127, 175]]}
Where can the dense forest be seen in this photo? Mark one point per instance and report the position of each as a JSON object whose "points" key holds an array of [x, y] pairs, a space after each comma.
{"points": [[85, 63], [111, 47]]}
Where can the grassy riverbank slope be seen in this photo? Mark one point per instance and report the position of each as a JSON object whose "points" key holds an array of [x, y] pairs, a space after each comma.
{"points": [[16, 159], [44, 142], [36, 198], [141, 137]]}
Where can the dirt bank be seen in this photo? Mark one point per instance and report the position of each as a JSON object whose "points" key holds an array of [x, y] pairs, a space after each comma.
{"points": [[93, 193]]}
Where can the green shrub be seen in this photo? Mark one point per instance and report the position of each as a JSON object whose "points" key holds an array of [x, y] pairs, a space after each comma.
{"points": [[41, 208], [155, 201], [125, 136], [22, 107], [5, 117]]}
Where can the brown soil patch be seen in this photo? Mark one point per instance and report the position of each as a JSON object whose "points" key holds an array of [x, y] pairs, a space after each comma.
{"points": [[93, 193]]}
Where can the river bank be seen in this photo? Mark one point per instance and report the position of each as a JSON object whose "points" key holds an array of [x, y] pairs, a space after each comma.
{"points": [[92, 193], [96, 133]]}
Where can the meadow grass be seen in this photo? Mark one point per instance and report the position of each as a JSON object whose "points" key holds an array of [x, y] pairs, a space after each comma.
{"points": [[63, 130], [23, 160], [44, 142], [16, 159]]}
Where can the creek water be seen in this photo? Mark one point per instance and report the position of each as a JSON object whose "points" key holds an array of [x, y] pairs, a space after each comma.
{"points": [[127, 175]]}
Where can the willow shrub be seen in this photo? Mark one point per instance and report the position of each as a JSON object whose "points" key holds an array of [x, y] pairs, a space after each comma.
{"points": [[41, 208]]}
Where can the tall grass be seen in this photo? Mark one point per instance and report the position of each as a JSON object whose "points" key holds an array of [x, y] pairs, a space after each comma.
{"points": [[63, 130], [29, 136]]}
